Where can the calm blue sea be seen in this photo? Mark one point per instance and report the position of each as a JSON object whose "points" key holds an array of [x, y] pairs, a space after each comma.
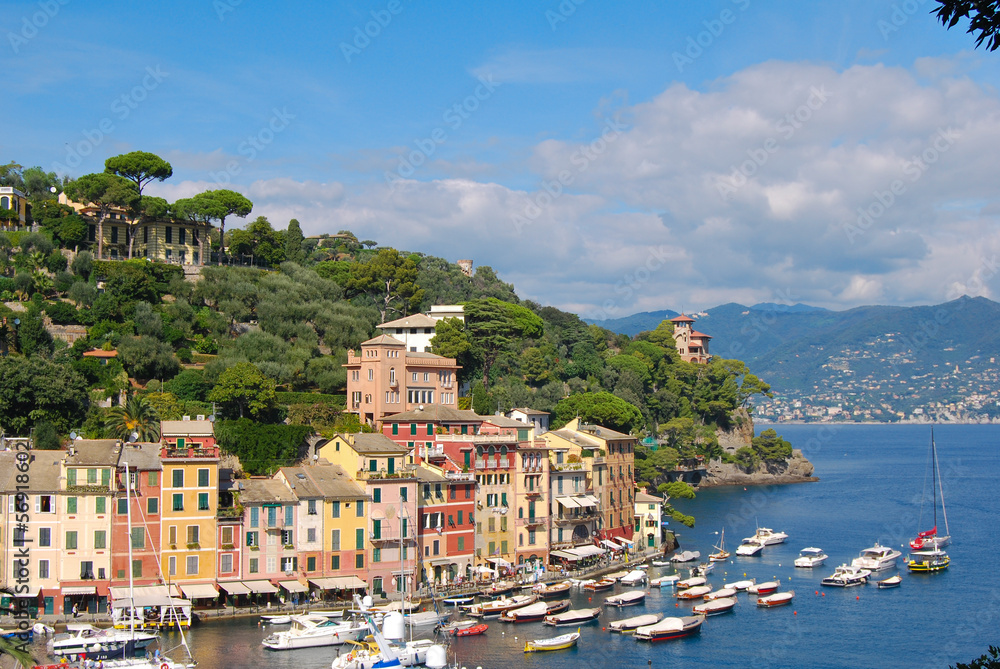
{"points": [[871, 481]]}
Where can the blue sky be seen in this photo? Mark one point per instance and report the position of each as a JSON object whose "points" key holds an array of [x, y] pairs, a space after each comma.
{"points": [[604, 157]]}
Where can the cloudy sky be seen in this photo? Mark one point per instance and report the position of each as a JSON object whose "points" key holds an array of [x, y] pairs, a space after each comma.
{"points": [[606, 158]]}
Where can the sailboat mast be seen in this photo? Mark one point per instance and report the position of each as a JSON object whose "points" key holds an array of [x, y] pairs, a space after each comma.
{"points": [[940, 488], [934, 475], [128, 520]]}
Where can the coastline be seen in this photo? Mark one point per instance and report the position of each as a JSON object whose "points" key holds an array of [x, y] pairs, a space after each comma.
{"points": [[873, 422]]}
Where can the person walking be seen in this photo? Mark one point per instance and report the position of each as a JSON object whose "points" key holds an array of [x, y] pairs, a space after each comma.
{"points": [[76, 611]]}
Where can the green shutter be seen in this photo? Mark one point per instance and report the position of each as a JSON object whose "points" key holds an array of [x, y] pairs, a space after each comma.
{"points": [[395, 429], [70, 477], [359, 539]]}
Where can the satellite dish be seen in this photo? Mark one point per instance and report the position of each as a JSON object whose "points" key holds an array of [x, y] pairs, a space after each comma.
{"points": [[211, 418], [79, 438], [72, 435], [53, 189], [135, 436]]}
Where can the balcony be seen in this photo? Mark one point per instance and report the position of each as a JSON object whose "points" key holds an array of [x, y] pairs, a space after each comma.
{"points": [[567, 467], [509, 439], [404, 472], [530, 522], [460, 476], [428, 452], [172, 452], [574, 520]]}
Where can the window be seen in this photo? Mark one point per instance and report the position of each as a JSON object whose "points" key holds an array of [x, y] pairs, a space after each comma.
{"points": [[70, 477], [114, 234], [44, 536], [311, 534], [153, 479], [226, 563], [335, 540], [191, 565], [360, 509], [468, 491], [43, 569], [178, 478], [254, 516], [172, 535], [503, 523], [153, 505], [181, 235], [172, 565], [405, 533], [461, 543], [559, 484], [359, 561], [101, 505], [86, 569], [254, 565], [402, 494], [289, 515], [178, 501], [203, 478], [138, 537], [376, 529], [310, 564], [100, 539], [71, 505], [272, 516], [122, 506], [286, 537], [359, 539], [376, 495], [311, 504], [252, 539], [503, 547], [493, 548], [335, 508], [71, 541], [169, 235], [91, 477], [376, 555], [491, 525], [531, 537], [451, 492], [335, 562], [271, 564], [193, 534], [460, 516], [203, 501]]}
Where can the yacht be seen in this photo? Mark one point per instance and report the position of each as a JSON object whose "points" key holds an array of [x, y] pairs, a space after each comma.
{"points": [[308, 631], [810, 557], [846, 576], [767, 536], [98, 644], [929, 560], [877, 558], [750, 547]]}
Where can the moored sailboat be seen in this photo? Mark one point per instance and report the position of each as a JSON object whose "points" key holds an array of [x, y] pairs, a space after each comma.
{"points": [[930, 539]]}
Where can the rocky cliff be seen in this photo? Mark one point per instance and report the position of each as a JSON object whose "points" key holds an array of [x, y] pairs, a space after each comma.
{"points": [[796, 469]]}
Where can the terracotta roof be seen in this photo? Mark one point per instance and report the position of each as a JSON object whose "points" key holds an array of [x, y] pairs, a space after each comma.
{"points": [[503, 421], [699, 335], [383, 339], [682, 319], [531, 412], [414, 321], [375, 442], [186, 428], [646, 498], [435, 412], [100, 353], [263, 491]]}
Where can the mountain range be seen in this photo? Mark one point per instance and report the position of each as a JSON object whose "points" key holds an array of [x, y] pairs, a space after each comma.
{"points": [[876, 362]]}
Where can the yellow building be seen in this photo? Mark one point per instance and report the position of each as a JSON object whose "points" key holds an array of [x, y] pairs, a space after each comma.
{"points": [[13, 199], [190, 499]]}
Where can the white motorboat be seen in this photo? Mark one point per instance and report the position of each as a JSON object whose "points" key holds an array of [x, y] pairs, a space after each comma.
{"points": [[498, 606], [750, 547], [633, 577], [98, 644], [767, 536], [369, 656], [425, 618], [721, 593], [765, 588], [309, 631], [777, 599], [891, 582], [456, 601], [703, 569], [629, 598], [810, 557], [276, 619], [740, 586], [715, 606], [686, 556], [665, 581], [846, 576], [691, 582], [339, 613], [635, 622], [877, 558], [457, 625], [572, 617]]}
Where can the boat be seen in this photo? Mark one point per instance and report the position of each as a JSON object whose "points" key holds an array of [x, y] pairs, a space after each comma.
{"points": [[339, 613], [498, 589], [740, 586], [721, 593], [703, 569], [810, 557], [425, 618], [277, 619], [750, 547], [552, 590], [617, 575], [634, 577], [600, 586], [630, 598], [697, 592], [720, 554], [451, 628], [891, 582], [384, 649], [846, 576], [457, 601], [767, 536], [561, 642], [309, 631], [930, 539], [877, 558], [686, 556], [777, 599], [580, 582], [572, 617], [715, 606], [498, 606], [660, 563], [928, 561], [98, 644], [691, 582], [534, 612], [664, 581], [472, 630], [670, 628], [635, 622], [765, 588]]}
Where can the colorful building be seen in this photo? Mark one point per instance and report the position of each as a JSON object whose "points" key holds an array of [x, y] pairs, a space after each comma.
{"points": [[648, 523], [446, 526], [691, 344], [141, 462], [269, 508]]}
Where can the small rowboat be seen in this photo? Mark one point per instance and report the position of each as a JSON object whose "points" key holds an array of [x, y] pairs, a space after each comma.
{"points": [[722, 593], [473, 630], [498, 589], [629, 598], [696, 592], [276, 619], [661, 563], [554, 590], [600, 586], [560, 642], [763, 588], [740, 586], [891, 582], [777, 599], [635, 622], [716, 606], [457, 601]]}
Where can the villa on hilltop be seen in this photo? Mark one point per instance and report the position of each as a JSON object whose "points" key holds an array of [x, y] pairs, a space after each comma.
{"points": [[691, 344]]}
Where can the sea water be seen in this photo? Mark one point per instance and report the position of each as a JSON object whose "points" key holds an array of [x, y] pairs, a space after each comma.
{"points": [[872, 478]]}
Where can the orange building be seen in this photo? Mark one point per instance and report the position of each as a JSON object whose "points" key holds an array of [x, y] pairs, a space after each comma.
{"points": [[691, 344]]}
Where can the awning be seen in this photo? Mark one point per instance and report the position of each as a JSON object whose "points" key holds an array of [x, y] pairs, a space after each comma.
{"points": [[586, 551], [149, 600], [610, 544], [140, 591], [261, 587], [586, 500], [30, 593], [567, 502], [339, 583], [564, 555], [499, 562], [293, 586], [79, 590], [623, 540], [234, 588], [199, 591]]}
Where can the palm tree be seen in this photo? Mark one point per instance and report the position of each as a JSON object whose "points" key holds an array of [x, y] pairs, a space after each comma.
{"points": [[136, 415]]}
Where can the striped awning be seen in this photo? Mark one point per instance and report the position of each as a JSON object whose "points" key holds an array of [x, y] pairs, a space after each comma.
{"points": [[293, 586], [234, 587], [261, 587]]}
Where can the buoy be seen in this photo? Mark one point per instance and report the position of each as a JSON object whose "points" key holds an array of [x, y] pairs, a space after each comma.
{"points": [[817, 592], [823, 595], [605, 629], [677, 605], [590, 599], [858, 597], [795, 613]]}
